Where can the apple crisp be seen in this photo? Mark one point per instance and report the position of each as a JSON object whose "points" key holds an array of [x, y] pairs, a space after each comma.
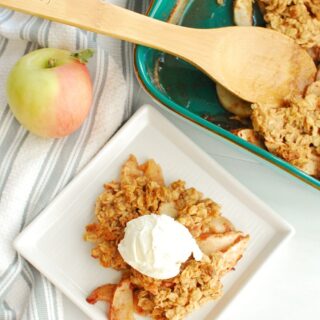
{"points": [[291, 130], [142, 191], [298, 19]]}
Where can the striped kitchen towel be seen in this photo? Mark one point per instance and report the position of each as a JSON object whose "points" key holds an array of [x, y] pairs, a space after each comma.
{"points": [[33, 170]]}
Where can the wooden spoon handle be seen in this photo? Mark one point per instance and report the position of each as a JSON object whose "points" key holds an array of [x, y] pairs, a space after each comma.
{"points": [[108, 19]]}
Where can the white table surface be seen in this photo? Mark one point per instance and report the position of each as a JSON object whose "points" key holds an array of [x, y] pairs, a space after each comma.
{"points": [[288, 287]]}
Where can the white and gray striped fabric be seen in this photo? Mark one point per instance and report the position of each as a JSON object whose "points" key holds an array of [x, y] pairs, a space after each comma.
{"points": [[33, 170]]}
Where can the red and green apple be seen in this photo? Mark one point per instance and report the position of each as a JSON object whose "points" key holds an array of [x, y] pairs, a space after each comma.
{"points": [[50, 91]]}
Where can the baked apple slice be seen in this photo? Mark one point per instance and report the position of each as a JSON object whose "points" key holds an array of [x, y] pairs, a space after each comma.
{"points": [[122, 302], [103, 293], [215, 242], [234, 253], [220, 224]]}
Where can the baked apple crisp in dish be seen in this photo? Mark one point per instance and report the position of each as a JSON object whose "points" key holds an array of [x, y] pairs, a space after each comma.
{"points": [[290, 129]]}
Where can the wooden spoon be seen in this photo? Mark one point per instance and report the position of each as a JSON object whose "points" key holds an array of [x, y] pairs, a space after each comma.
{"points": [[256, 64]]}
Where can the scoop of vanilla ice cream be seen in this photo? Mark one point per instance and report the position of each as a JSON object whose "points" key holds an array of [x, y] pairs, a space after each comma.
{"points": [[157, 245]]}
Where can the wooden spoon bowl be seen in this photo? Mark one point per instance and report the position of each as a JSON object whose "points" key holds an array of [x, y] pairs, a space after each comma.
{"points": [[256, 64]]}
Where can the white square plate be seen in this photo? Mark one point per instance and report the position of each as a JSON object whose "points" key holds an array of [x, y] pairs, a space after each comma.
{"points": [[54, 244]]}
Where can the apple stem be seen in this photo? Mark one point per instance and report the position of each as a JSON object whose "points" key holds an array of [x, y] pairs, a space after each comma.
{"points": [[51, 63], [83, 56]]}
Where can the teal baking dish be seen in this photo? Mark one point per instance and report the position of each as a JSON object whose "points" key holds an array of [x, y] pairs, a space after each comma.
{"points": [[182, 88]]}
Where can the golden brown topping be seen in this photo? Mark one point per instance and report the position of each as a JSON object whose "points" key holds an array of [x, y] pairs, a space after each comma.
{"points": [[298, 19], [292, 131]]}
